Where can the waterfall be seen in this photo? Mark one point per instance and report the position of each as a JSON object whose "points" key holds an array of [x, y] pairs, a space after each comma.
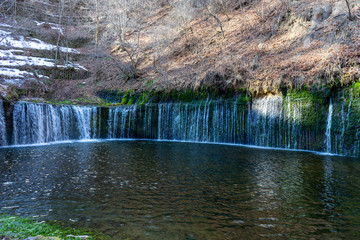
{"points": [[122, 122], [263, 122], [85, 116], [270, 121], [206, 121], [328, 128], [3, 140], [40, 123]]}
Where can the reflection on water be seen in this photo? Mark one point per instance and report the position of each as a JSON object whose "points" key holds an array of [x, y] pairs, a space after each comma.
{"points": [[162, 190]]}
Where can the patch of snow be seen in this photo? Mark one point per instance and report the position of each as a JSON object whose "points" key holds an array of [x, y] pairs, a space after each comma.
{"points": [[78, 66], [12, 59], [29, 43], [4, 33], [6, 25], [9, 53], [13, 81], [9, 59], [12, 76], [13, 73], [19, 61], [53, 26]]}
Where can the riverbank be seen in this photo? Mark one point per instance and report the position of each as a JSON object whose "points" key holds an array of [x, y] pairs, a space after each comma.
{"points": [[15, 228]]}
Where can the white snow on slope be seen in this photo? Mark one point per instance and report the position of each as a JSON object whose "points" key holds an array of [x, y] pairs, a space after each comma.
{"points": [[6, 25], [53, 26], [16, 76], [8, 53], [12, 60], [29, 43], [13, 72]]}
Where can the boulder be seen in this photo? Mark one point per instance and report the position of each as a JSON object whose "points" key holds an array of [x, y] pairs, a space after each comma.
{"points": [[339, 8], [320, 13]]}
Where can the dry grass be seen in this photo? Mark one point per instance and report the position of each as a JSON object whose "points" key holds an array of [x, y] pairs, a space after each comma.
{"points": [[264, 48]]}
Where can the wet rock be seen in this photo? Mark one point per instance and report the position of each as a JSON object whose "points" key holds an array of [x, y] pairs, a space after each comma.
{"points": [[40, 237]]}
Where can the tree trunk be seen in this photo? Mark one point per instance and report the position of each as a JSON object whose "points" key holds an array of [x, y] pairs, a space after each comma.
{"points": [[217, 20], [348, 6]]}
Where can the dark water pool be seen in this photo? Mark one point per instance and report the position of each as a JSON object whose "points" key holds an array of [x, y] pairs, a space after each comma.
{"points": [[167, 190]]}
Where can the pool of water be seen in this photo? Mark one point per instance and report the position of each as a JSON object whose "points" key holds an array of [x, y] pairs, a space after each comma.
{"points": [[169, 190]]}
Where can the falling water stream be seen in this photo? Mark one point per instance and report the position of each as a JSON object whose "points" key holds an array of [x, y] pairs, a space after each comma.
{"points": [[3, 140], [328, 128], [272, 121], [41, 123]]}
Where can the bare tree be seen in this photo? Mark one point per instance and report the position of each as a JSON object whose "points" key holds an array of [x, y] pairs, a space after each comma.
{"points": [[61, 13], [8, 6], [183, 13], [210, 9], [122, 25], [349, 9]]}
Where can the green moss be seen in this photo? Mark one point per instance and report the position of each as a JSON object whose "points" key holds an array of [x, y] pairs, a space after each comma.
{"points": [[305, 95], [311, 105], [356, 88], [150, 82], [21, 228], [144, 98], [188, 95], [130, 102], [243, 99], [125, 98], [77, 101]]}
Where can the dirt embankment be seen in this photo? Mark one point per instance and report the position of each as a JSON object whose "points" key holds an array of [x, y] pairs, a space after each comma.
{"points": [[267, 46]]}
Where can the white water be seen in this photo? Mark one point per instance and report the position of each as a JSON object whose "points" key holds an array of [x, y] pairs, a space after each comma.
{"points": [[328, 128], [41, 123], [2, 126], [264, 123], [272, 122], [121, 121]]}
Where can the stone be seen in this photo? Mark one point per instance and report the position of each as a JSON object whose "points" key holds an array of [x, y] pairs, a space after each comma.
{"points": [[40, 237], [339, 8], [320, 13], [317, 15], [327, 11]]}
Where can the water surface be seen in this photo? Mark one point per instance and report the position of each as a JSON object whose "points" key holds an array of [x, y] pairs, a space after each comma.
{"points": [[169, 190]]}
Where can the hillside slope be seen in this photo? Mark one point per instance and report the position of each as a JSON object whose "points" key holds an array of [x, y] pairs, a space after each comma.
{"points": [[264, 46]]}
